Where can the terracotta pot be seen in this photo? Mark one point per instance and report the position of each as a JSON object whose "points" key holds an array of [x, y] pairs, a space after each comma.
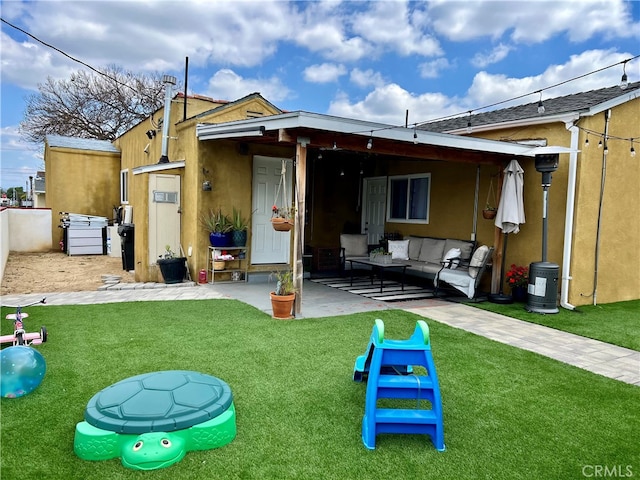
{"points": [[281, 224], [489, 214], [282, 305]]}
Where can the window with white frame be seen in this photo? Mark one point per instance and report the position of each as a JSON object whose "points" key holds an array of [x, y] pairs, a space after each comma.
{"points": [[124, 186], [408, 199]]}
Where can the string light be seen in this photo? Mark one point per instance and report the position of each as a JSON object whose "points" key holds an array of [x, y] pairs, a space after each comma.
{"points": [[632, 151], [335, 145], [606, 147], [370, 142], [469, 129], [586, 142], [624, 83], [540, 105], [415, 136], [600, 144]]}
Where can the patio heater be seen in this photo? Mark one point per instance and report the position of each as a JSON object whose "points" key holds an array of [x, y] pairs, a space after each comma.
{"points": [[543, 276]]}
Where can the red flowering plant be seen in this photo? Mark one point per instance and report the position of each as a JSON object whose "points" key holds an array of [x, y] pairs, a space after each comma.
{"points": [[518, 276], [283, 212]]}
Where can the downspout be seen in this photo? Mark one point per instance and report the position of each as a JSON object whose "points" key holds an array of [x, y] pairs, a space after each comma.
{"points": [[568, 221]]}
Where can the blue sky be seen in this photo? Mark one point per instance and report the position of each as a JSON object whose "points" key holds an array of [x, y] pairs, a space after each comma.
{"points": [[368, 60]]}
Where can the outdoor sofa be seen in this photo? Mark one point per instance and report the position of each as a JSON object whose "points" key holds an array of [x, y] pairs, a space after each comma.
{"points": [[441, 260]]}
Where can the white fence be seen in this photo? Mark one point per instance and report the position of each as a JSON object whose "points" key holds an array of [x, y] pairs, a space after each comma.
{"points": [[23, 230]]}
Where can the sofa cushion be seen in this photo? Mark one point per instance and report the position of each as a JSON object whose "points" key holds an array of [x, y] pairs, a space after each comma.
{"points": [[414, 247], [452, 257], [399, 249], [465, 247], [355, 245], [477, 259], [431, 250]]}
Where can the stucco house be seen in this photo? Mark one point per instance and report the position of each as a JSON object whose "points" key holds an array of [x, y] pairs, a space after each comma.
{"points": [[338, 171], [594, 220]]}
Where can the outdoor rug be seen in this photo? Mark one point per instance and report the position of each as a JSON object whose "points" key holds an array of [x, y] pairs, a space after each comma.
{"points": [[391, 290]]}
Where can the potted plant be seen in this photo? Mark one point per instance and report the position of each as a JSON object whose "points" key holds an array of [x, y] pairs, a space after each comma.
{"points": [[518, 280], [239, 225], [219, 227], [282, 218], [284, 295], [489, 212], [380, 255], [173, 268]]}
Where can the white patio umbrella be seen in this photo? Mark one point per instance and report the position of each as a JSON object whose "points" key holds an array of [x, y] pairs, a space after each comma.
{"points": [[510, 215]]}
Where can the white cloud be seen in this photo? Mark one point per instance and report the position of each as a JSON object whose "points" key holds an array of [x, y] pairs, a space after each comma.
{"points": [[388, 104], [324, 73], [433, 68], [228, 85], [26, 64], [499, 53], [388, 25], [490, 88], [366, 78], [531, 22]]}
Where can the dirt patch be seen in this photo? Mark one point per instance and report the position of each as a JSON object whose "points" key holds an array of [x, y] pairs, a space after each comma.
{"points": [[57, 272]]}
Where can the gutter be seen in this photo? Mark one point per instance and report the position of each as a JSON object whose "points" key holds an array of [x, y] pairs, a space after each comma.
{"points": [[569, 214]]}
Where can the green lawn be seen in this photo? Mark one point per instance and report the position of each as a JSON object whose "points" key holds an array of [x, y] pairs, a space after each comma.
{"points": [[616, 323], [508, 413]]}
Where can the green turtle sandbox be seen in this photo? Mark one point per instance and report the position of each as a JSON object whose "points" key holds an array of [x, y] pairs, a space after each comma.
{"points": [[152, 420]]}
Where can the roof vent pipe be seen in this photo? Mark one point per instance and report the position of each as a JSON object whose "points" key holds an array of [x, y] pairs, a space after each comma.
{"points": [[169, 81]]}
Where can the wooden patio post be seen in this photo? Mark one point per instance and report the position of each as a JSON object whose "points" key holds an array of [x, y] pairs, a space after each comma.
{"points": [[498, 241], [298, 229]]}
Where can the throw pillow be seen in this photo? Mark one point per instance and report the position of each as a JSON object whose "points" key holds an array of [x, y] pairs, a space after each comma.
{"points": [[452, 254], [476, 260], [431, 250], [414, 247], [399, 249], [464, 246]]}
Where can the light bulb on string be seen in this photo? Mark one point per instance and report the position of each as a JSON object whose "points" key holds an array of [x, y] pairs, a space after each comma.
{"points": [[624, 82], [540, 105], [370, 142], [632, 150], [600, 144], [469, 128], [415, 136], [586, 141]]}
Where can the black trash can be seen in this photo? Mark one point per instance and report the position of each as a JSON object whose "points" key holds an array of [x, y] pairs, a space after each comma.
{"points": [[126, 232], [543, 287]]}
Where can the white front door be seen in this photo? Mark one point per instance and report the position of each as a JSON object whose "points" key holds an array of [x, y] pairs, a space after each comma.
{"points": [[375, 202], [267, 245], [164, 215]]}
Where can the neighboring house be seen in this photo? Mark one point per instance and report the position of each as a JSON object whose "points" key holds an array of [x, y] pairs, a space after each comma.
{"points": [[338, 174], [594, 220], [39, 190], [81, 177]]}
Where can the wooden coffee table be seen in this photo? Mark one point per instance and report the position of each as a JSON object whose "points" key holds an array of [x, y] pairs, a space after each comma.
{"points": [[381, 268]]}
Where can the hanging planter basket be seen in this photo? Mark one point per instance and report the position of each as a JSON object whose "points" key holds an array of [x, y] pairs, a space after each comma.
{"points": [[489, 214], [282, 224]]}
